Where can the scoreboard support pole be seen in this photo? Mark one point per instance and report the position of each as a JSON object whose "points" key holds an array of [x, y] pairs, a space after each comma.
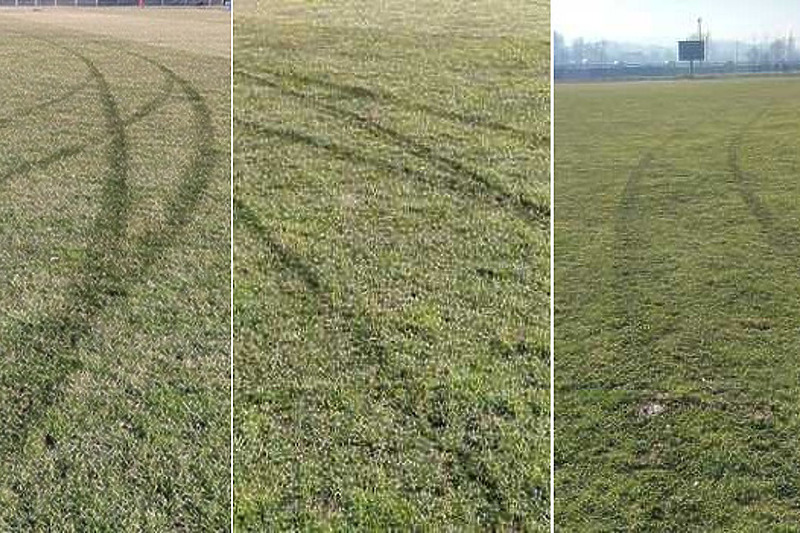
{"points": [[691, 51]]}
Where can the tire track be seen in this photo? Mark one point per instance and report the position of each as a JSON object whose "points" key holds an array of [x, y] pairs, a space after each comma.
{"points": [[34, 382], [23, 168], [371, 349], [193, 181], [629, 256], [50, 102], [529, 211], [358, 92], [631, 252], [784, 242], [632, 264], [364, 332], [397, 387], [30, 110], [634, 267], [466, 189]]}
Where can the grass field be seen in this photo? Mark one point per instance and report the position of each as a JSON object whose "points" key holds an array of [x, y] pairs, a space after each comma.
{"points": [[391, 265], [677, 207], [114, 259]]}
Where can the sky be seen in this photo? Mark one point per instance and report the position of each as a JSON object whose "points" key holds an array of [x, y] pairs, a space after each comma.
{"points": [[665, 21]]}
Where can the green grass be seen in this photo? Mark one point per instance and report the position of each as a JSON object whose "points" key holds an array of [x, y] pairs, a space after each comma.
{"points": [[114, 259], [391, 265], [677, 206]]}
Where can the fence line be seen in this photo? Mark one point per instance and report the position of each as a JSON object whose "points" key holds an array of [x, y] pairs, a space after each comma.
{"points": [[608, 71], [112, 3]]}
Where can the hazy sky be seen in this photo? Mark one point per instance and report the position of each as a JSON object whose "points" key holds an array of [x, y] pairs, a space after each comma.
{"points": [[665, 21]]}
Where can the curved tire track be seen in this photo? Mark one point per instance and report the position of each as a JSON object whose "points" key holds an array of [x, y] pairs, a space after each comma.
{"points": [[55, 100], [50, 102], [193, 181], [40, 375], [529, 211], [356, 91], [363, 332], [374, 354], [36, 380], [631, 262], [467, 189], [629, 257], [783, 241], [148, 108]]}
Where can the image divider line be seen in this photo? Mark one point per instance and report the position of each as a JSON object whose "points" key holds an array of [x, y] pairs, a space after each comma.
{"points": [[230, 351], [552, 286]]}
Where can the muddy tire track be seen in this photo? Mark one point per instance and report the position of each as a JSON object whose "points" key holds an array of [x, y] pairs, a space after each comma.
{"points": [[529, 211]]}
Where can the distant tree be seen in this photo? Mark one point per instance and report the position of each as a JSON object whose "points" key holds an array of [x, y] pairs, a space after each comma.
{"points": [[753, 55], [777, 51], [791, 48], [560, 49], [578, 50]]}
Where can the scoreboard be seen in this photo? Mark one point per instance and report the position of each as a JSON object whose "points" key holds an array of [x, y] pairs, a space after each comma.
{"points": [[691, 51]]}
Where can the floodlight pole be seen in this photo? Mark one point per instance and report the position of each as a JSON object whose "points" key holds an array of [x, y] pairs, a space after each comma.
{"points": [[699, 38], [700, 35]]}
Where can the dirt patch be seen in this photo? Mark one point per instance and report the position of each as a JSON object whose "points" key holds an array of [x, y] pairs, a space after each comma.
{"points": [[651, 409]]}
